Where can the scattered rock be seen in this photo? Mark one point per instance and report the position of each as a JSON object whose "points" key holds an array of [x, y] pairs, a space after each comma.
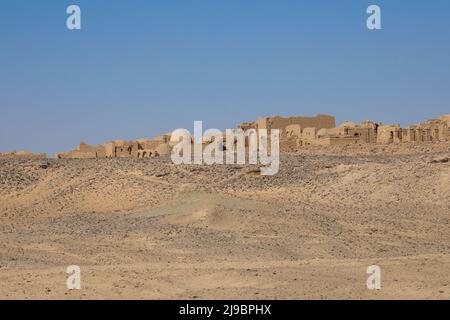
{"points": [[44, 166], [440, 160], [254, 172], [159, 175]]}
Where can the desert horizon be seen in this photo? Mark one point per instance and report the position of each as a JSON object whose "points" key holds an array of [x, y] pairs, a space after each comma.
{"points": [[320, 127], [225, 159], [150, 229]]}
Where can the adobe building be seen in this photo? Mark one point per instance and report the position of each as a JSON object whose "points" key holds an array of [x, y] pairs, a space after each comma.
{"points": [[435, 130], [429, 131], [141, 148], [389, 134], [294, 132], [349, 133], [83, 151], [283, 123], [158, 146]]}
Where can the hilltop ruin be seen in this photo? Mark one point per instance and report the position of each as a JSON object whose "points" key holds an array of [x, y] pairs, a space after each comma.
{"points": [[321, 130], [294, 132], [141, 148]]}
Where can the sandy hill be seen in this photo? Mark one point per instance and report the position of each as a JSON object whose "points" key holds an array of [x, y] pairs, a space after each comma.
{"points": [[150, 229]]}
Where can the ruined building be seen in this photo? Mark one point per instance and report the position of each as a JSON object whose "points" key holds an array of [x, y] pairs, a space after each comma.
{"points": [[142, 148], [321, 130], [294, 132], [284, 123], [434, 130], [349, 133]]}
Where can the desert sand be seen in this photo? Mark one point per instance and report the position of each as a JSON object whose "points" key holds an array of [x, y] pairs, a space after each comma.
{"points": [[149, 229]]}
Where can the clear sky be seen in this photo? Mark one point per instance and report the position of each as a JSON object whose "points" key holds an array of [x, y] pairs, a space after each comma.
{"points": [[144, 67]]}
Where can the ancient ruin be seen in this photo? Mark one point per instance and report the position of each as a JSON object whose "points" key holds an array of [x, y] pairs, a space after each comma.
{"points": [[288, 124], [370, 132], [294, 132], [321, 130], [141, 148]]}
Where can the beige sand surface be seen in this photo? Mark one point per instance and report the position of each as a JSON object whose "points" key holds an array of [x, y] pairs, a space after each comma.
{"points": [[148, 229]]}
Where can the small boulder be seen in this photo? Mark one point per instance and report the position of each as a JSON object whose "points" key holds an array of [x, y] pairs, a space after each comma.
{"points": [[160, 175], [440, 160], [254, 172], [44, 166]]}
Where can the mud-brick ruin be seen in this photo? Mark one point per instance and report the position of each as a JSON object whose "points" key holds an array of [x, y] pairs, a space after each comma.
{"points": [[294, 132], [141, 148], [322, 130]]}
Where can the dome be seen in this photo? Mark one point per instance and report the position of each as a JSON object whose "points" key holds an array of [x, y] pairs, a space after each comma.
{"points": [[163, 149], [347, 124], [322, 132]]}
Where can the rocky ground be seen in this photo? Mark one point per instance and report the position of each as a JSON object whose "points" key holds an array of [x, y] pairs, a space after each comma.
{"points": [[148, 229]]}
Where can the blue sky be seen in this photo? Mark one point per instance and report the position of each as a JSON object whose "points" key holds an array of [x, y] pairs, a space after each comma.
{"points": [[140, 68]]}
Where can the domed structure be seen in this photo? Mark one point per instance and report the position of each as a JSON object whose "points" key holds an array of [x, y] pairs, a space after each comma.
{"points": [[163, 149], [348, 124], [322, 133]]}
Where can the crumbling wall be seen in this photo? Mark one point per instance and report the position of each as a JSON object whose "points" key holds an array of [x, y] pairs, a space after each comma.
{"points": [[294, 132], [332, 141], [22, 155], [389, 134], [308, 136], [278, 122], [83, 151], [120, 149]]}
